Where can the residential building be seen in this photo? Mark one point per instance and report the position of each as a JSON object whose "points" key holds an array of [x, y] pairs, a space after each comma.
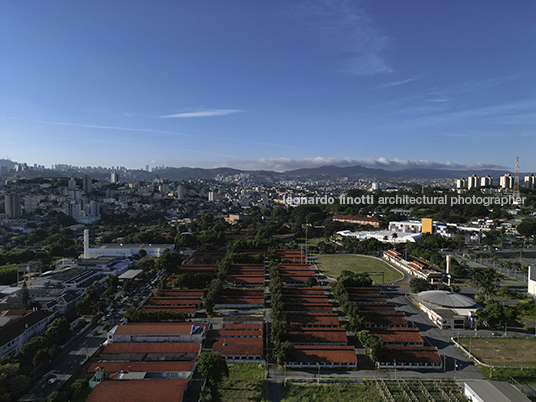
{"points": [[473, 182], [13, 206], [18, 332], [507, 181]]}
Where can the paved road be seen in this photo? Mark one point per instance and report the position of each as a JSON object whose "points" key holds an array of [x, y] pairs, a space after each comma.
{"points": [[67, 364]]}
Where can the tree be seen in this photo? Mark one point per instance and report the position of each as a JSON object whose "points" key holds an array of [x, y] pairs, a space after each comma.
{"points": [[56, 331], [418, 285], [527, 228], [311, 281], [282, 353], [213, 366], [487, 279]]}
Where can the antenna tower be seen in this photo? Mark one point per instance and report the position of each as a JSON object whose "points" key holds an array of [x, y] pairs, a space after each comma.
{"points": [[516, 181]]}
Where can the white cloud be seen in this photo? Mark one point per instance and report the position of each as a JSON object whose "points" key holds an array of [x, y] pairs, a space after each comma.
{"points": [[395, 83], [285, 164], [345, 27], [191, 112]]}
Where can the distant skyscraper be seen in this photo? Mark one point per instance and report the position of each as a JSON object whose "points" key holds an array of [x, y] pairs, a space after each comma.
{"points": [[114, 178], [72, 183], [212, 196], [146, 168], [507, 181], [180, 192], [461, 183], [486, 181], [530, 181], [87, 184], [473, 182], [13, 205]]}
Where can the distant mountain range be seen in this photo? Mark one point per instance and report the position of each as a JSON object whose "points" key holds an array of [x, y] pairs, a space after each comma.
{"points": [[329, 172], [319, 173]]}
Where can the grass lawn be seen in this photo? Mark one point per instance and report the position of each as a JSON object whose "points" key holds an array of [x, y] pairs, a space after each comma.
{"points": [[245, 383], [310, 242], [333, 265], [503, 352], [331, 392]]}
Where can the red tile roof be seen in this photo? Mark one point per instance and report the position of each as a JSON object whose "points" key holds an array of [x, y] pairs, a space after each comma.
{"points": [[399, 335], [318, 335], [385, 319], [313, 319], [242, 327], [154, 390], [149, 347], [158, 328], [155, 367], [327, 354]]}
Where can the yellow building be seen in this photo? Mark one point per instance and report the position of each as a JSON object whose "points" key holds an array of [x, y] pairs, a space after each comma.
{"points": [[427, 225]]}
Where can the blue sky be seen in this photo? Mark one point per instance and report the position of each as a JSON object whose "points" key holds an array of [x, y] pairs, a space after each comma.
{"points": [[268, 84]]}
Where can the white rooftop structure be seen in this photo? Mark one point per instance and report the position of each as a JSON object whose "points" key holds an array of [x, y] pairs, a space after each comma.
{"points": [[126, 250], [385, 236], [444, 298], [532, 281]]}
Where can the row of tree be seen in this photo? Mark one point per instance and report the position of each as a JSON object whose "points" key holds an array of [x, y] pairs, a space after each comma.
{"points": [[279, 330], [42, 349], [350, 309]]}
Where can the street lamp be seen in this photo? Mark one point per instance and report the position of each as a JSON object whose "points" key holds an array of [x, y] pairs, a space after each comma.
{"points": [[395, 368], [521, 361], [318, 378]]}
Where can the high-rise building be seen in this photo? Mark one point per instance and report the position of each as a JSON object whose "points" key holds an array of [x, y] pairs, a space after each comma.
{"points": [[486, 181], [507, 181], [530, 181], [13, 205], [461, 183], [473, 182], [72, 183], [114, 178], [87, 184], [180, 192], [212, 196]]}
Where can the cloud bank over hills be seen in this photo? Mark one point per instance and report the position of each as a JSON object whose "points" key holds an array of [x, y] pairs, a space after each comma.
{"points": [[395, 164]]}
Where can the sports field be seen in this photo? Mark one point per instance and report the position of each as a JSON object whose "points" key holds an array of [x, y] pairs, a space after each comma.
{"points": [[502, 352], [333, 265]]}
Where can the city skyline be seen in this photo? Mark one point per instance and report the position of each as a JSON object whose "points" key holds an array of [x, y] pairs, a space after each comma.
{"points": [[273, 86]]}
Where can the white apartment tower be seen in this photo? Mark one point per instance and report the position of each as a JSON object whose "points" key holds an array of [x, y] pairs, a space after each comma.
{"points": [[507, 181], [473, 182], [530, 181]]}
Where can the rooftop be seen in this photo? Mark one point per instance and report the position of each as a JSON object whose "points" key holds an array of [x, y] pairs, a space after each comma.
{"points": [[444, 298], [154, 390]]}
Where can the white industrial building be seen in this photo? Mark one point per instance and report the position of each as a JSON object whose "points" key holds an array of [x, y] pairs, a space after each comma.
{"points": [[532, 281], [385, 236]]}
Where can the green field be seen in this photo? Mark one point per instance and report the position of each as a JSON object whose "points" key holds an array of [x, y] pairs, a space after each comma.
{"points": [[333, 265], [331, 392], [503, 352], [245, 383]]}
